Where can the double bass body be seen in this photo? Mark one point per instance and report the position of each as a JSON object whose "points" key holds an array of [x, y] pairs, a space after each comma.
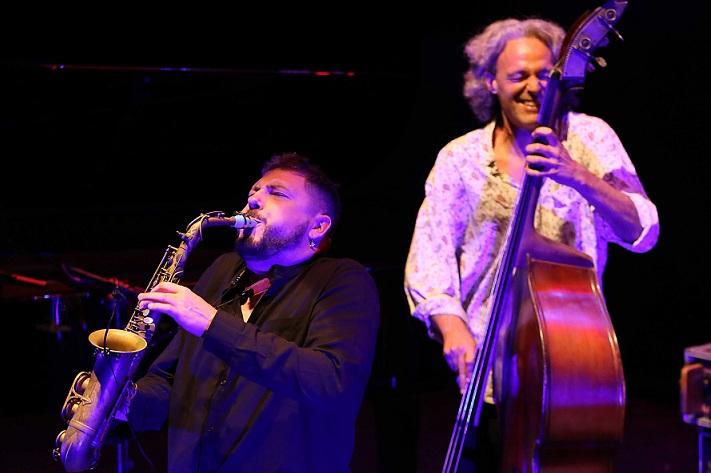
{"points": [[563, 394]]}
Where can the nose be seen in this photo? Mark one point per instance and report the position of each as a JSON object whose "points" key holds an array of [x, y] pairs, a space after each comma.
{"points": [[533, 84], [254, 201], [536, 85]]}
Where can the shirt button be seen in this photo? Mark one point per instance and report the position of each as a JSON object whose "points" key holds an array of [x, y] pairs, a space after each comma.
{"points": [[223, 381]]}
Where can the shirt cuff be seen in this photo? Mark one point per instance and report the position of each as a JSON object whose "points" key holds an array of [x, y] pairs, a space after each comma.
{"points": [[438, 305], [648, 219], [223, 332]]}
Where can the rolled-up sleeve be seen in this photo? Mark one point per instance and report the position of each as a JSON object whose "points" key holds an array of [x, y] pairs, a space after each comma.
{"points": [[432, 282], [619, 172]]}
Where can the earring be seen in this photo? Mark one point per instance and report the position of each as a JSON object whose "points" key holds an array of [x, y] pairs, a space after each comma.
{"points": [[312, 244]]}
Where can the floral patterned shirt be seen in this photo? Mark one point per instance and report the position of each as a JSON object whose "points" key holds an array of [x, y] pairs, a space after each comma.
{"points": [[463, 220]]}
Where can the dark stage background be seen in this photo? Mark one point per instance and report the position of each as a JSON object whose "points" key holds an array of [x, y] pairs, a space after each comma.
{"points": [[105, 155]]}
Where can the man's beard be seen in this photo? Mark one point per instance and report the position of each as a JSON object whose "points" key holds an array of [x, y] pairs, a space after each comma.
{"points": [[273, 241]]}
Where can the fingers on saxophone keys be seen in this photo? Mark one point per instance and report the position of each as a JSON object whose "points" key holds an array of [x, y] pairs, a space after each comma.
{"points": [[143, 305], [146, 300]]}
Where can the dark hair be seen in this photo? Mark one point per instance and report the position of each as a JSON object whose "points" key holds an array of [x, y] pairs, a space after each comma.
{"points": [[315, 177]]}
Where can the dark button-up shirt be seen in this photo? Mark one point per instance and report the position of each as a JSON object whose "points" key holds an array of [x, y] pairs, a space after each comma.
{"points": [[277, 394]]}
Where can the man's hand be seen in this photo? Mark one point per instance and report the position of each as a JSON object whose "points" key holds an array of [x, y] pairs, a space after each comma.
{"points": [[459, 346], [188, 309], [551, 159]]}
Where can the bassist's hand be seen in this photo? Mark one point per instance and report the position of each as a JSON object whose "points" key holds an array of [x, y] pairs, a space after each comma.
{"points": [[459, 347]]}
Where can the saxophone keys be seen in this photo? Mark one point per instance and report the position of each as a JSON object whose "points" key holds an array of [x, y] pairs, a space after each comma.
{"points": [[57, 452], [81, 382], [70, 408]]}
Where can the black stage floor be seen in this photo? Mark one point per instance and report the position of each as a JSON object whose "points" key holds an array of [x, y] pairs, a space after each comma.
{"points": [[656, 440]]}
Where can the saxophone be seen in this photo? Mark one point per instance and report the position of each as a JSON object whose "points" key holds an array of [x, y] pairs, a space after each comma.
{"points": [[94, 396]]}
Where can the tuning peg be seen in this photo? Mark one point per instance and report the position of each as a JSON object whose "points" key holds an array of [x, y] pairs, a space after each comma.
{"points": [[595, 61], [610, 16]]}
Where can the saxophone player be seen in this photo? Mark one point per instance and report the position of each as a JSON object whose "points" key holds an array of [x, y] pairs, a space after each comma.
{"points": [[276, 341]]}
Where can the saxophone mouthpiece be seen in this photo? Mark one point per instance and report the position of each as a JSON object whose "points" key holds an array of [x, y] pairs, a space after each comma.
{"points": [[244, 221]]}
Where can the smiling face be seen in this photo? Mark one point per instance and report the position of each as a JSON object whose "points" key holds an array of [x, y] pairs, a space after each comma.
{"points": [[522, 71], [286, 210]]}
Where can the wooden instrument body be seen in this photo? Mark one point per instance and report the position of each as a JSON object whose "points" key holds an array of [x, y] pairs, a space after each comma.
{"points": [[563, 396]]}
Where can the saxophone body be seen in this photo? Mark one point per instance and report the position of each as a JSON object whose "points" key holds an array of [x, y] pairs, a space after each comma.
{"points": [[94, 397]]}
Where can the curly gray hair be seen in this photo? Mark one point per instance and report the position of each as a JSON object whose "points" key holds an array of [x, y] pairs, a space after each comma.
{"points": [[483, 50]]}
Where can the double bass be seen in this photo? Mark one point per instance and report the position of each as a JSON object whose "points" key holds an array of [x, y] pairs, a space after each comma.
{"points": [[562, 395]]}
